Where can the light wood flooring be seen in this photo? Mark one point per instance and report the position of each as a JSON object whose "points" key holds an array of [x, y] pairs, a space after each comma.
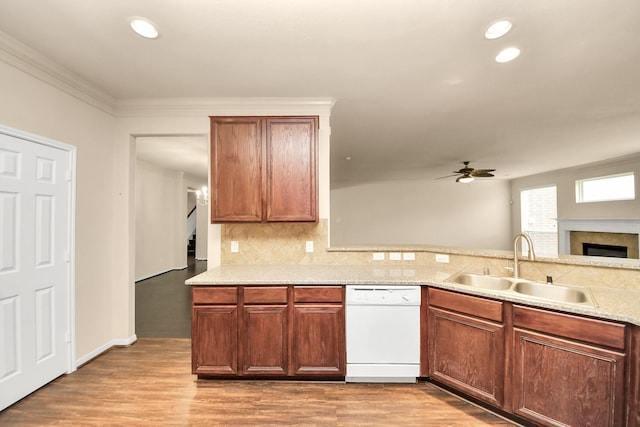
{"points": [[150, 384]]}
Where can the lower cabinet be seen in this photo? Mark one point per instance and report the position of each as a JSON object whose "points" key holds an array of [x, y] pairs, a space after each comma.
{"points": [[466, 344], [269, 331], [214, 320], [633, 409], [318, 334], [568, 370], [263, 330], [549, 368]]}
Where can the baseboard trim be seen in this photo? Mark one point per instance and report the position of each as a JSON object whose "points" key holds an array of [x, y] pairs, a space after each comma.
{"points": [[160, 273], [120, 342]]}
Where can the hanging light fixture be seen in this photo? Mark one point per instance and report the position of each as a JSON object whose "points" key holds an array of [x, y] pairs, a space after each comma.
{"points": [[203, 196], [465, 179]]}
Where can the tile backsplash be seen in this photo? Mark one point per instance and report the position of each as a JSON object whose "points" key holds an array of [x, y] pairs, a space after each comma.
{"points": [[284, 243]]}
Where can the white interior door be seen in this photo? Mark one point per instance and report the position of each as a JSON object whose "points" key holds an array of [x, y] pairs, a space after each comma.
{"points": [[34, 266]]}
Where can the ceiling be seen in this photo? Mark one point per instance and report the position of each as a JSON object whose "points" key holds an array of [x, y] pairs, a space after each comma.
{"points": [[416, 84]]}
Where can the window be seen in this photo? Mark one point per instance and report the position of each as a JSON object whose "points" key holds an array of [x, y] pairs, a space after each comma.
{"points": [[539, 211], [606, 188]]}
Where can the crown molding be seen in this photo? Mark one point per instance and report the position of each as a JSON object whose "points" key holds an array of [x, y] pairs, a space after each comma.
{"points": [[223, 106], [24, 58]]}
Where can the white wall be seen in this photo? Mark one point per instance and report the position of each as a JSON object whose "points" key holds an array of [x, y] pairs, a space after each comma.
{"points": [[441, 213], [161, 201], [202, 223], [564, 180], [30, 105], [106, 176], [184, 117]]}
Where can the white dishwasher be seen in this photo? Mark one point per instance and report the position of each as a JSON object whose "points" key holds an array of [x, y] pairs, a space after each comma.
{"points": [[383, 333]]}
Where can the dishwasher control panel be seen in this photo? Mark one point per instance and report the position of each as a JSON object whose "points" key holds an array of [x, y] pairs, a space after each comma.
{"points": [[383, 295]]}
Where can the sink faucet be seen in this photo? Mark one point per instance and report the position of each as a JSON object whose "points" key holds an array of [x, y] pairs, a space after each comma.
{"points": [[532, 255]]}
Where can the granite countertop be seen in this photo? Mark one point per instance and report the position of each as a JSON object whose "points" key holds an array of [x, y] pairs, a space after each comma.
{"points": [[626, 263], [613, 304]]}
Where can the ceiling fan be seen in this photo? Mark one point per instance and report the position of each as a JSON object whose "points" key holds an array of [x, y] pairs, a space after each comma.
{"points": [[467, 174]]}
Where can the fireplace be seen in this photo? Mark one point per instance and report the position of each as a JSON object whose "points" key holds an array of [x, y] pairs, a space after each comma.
{"points": [[599, 237], [596, 249]]}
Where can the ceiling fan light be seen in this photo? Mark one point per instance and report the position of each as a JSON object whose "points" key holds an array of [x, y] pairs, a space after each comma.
{"points": [[465, 179]]}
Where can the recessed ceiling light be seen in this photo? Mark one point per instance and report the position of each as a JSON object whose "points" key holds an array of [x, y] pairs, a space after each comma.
{"points": [[508, 54], [498, 29], [144, 27]]}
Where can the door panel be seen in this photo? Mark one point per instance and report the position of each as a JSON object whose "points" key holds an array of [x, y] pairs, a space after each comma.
{"points": [[291, 170], [236, 169], [34, 265], [263, 345], [559, 382], [9, 222]]}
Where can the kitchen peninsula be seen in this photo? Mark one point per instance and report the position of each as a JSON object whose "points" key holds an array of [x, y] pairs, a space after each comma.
{"points": [[502, 334]]}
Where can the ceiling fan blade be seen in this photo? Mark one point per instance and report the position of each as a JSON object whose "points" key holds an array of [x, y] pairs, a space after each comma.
{"points": [[477, 172], [483, 175], [448, 176]]}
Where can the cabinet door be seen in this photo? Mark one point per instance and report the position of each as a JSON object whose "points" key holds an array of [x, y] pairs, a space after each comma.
{"points": [[263, 349], [318, 340], [291, 169], [467, 353], [215, 340], [237, 158], [558, 382], [633, 400]]}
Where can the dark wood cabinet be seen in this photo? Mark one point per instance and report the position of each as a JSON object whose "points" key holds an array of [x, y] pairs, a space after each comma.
{"points": [[318, 332], [287, 331], [214, 320], [467, 344], [264, 330], [264, 169], [568, 370], [633, 400], [291, 193], [237, 164]]}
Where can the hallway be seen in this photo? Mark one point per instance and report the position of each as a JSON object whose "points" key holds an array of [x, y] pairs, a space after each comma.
{"points": [[163, 303]]}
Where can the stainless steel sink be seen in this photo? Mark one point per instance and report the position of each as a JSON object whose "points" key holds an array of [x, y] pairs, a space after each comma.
{"points": [[549, 292], [481, 281], [561, 293]]}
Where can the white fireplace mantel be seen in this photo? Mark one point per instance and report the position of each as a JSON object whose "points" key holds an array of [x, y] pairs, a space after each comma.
{"points": [[567, 225]]}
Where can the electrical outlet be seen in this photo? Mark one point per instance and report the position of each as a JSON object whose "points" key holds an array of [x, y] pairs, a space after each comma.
{"points": [[235, 246], [395, 256], [443, 258], [409, 256], [378, 256], [309, 246]]}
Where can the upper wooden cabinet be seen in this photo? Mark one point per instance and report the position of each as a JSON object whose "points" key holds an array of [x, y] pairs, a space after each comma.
{"points": [[264, 169]]}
